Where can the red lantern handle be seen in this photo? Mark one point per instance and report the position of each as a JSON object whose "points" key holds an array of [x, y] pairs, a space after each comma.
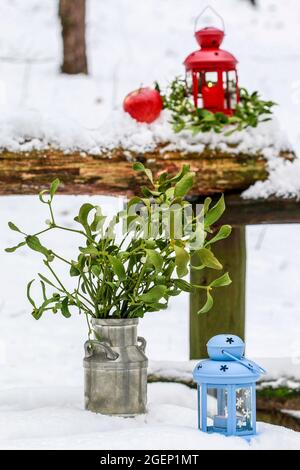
{"points": [[208, 7]]}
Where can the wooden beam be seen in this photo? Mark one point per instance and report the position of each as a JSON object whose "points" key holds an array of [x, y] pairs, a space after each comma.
{"points": [[111, 171], [272, 210]]}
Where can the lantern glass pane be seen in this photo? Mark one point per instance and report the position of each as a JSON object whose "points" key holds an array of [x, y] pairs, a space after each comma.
{"points": [[217, 413], [229, 85], [244, 414], [211, 78], [189, 83]]}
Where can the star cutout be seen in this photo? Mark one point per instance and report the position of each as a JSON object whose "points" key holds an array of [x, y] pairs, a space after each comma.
{"points": [[247, 414], [223, 368], [230, 340], [239, 402]]}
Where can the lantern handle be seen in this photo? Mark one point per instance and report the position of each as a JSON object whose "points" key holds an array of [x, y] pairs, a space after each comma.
{"points": [[253, 367], [208, 7]]}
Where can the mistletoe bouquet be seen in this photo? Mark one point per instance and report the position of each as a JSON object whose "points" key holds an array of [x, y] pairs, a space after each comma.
{"points": [[249, 112], [129, 275]]}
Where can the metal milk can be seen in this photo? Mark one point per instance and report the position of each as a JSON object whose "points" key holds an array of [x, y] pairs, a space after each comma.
{"points": [[115, 368]]}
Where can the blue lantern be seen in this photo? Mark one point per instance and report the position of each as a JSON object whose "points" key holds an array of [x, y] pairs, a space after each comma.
{"points": [[226, 385]]}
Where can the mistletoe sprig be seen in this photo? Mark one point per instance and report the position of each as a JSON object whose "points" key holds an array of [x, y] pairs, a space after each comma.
{"points": [[137, 274], [250, 111]]}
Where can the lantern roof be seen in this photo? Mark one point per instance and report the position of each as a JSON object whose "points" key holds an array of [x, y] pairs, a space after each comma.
{"points": [[210, 57], [227, 364]]}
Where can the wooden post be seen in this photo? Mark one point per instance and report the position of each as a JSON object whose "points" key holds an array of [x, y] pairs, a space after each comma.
{"points": [[72, 17], [228, 312]]}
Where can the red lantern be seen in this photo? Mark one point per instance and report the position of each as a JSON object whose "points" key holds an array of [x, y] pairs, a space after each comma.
{"points": [[213, 73]]}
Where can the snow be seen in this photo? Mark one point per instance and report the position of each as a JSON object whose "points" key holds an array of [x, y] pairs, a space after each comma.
{"points": [[53, 418], [295, 414], [283, 181], [121, 130], [32, 130], [127, 40]]}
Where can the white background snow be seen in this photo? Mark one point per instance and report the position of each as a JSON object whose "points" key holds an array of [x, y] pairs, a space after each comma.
{"points": [[132, 43]]}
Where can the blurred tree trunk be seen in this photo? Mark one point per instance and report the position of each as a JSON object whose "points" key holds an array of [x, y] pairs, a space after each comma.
{"points": [[72, 17]]}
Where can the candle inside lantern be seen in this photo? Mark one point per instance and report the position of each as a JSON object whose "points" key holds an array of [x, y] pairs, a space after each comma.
{"points": [[220, 422], [212, 96]]}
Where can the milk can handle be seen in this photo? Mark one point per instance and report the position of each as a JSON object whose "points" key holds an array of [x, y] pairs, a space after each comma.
{"points": [[253, 367], [110, 354], [143, 342], [208, 7]]}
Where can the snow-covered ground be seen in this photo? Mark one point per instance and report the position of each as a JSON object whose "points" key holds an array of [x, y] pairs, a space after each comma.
{"points": [[40, 362], [52, 417]]}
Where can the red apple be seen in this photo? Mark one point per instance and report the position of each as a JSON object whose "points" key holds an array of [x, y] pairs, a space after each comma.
{"points": [[143, 105]]}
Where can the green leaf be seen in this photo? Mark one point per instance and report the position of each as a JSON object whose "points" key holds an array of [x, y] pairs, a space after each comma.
{"points": [[34, 244], [37, 313], [74, 271], [96, 270], [156, 306], [98, 221], [208, 304], [155, 259], [43, 193], [169, 193], [207, 203], [14, 248], [208, 259], [184, 170], [154, 294], [182, 259], [223, 233], [149, 192], [215, 212], [54, 187], [209, 116], [183, 285], [169, 271], [13, 227], [148, 173], [221, 281], [117, 268], [184, 185], [43, 290], [65, 308], [138, 166], [89, 250], [28, 293], [46, 280], [82, 217]]}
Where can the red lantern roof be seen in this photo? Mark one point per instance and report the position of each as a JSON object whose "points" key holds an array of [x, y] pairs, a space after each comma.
{"points": [[210, 56]]}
